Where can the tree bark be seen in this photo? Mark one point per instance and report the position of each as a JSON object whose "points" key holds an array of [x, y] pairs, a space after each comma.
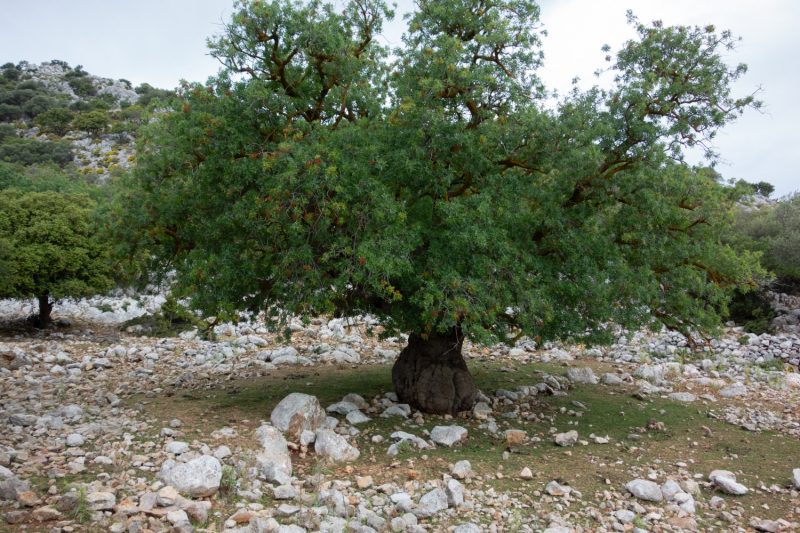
{"points": [[45, 307], [432, 376]]}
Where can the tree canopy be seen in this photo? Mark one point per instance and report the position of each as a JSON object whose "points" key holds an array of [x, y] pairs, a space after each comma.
{"points": [[441, 188], [48, 248]]}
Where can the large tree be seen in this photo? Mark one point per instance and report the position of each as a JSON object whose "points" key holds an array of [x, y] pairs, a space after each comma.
{"points": [[443, 190], [49, 250]]}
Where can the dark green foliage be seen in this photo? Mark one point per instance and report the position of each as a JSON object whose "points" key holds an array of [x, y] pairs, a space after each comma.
{"points": [[52, 249], [10, 72], [148, 94], [42, 178], [56, 120], [441, 191], [752, 310], [62, 64], [7, 131], [83, 86], [30, 152], [775, 233], [762, 187], [93, 122]]}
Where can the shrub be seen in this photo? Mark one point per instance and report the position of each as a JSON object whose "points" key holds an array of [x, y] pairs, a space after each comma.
{"points": [[93, 122], [171, 320], [752, 310], [29, 152], [7, 130], [83, 86], [57, 120]]}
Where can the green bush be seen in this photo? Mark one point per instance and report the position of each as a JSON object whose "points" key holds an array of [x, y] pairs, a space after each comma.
{"points": [[83, 86], [29, 152], [7, 131], [93, 122], [173, 318], [776, 234], [752, 310], [56, 120]]}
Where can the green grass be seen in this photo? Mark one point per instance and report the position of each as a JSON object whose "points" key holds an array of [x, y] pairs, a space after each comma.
{"points": [[612, 411]]}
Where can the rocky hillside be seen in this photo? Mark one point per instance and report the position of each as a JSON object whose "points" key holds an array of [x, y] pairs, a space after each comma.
{"points": [[94, 119]]}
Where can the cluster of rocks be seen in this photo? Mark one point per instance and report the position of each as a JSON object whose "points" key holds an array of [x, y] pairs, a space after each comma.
{"points": [[63, 413]]}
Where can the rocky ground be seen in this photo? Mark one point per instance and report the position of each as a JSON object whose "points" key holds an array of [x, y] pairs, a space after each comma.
{"points": [[96, 435]]}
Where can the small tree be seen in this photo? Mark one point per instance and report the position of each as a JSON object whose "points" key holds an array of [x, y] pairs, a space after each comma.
{"points": [[440, 192], [49, 248], [93, 122], [57, 119]]}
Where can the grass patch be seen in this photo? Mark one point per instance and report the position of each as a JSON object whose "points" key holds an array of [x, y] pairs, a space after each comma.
{"points": [[610, 411]]}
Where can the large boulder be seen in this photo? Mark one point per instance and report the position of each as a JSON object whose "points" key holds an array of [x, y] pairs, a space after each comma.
{"points": [[329, 443], [298, 412], [273, 460], [197, 478]]}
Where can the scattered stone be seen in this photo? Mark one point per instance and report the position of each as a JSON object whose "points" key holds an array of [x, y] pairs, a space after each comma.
{"points": [[686, 397], [273, 460], [455, 493], [177, 447], [582, 375], [74, 440], [298, 412], [796, 478], [555, 489], [101, 501], [197, 478], [567, 439], [357, 417], [462, 469], [328, 443], [448, 435], [645, 490], [733, 391], [729, 486], [526, 473], [515, 436]]}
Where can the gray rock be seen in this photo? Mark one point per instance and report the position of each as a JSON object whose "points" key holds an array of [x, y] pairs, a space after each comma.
{"points": [[645, 490], [467, 528], [330, 444], [481, 411], [196, 478], [222, 452], [356, 400], [298, 412], [462, 469], [455, 493], [729, 486], [13, 486], [342, 408], [625, 516], [273, 460], [567, 439], [581, 375], [733, 391], [670, 489], [430, 504], [682, 397], [796, 478], [71, 411], [177, 447], [285, 492], [448, 435], [402, 409], [19, 419], [357, 417], [74, 440], [101, 501]]}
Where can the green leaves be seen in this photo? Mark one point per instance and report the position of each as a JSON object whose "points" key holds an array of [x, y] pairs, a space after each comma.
{"points": [[312, 177], [49, 247]]}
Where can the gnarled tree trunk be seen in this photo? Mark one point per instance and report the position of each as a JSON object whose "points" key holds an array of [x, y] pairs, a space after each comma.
{"points": [[45, 307], [432, 376]]}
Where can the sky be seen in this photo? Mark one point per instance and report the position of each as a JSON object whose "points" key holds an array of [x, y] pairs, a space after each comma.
{"points": [[161, 42]]}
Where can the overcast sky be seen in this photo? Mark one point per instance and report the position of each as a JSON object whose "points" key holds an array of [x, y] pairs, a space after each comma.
{"points": [[162, 42]]}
